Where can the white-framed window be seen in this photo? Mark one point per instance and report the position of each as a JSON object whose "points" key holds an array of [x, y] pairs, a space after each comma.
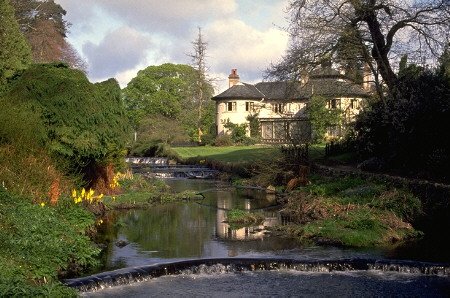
{"points": [[249, 106], [354, 104], [230, 106]]}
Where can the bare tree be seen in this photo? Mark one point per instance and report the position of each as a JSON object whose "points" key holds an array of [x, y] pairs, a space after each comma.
{"points": [[71, 56], [203, 82], [381, 32]]}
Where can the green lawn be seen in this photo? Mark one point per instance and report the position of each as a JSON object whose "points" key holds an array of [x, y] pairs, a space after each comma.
{"points": [[239, 153], [229, 154]]}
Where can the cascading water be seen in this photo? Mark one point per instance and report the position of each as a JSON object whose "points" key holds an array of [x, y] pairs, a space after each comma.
{"points": [[190, 250], [428, 273]]}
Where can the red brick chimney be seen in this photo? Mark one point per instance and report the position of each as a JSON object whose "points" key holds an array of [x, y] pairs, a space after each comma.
{"points": [[233, 78]]}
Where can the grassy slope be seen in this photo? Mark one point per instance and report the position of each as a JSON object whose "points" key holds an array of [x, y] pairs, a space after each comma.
{"points": [[240, 153], [228, 154]]}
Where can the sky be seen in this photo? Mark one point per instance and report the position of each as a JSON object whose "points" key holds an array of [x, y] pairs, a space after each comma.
{"points": [[118, 38]]}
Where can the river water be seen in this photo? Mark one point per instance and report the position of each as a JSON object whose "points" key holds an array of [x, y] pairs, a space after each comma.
{"points": [[198, 230]]}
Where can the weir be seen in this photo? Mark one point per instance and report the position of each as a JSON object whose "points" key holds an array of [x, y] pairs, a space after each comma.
{"points": [[225, 265], [156, 167]]}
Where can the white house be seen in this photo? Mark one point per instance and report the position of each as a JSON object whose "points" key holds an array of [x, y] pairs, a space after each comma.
{"points": [[280, 106]]}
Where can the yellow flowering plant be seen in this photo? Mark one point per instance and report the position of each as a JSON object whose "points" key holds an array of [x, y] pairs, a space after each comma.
{"points": [[86, 196], [115, 181]]}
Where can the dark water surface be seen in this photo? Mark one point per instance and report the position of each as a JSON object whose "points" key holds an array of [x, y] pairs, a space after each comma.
{"points": [[285, 284], [197, 230]]}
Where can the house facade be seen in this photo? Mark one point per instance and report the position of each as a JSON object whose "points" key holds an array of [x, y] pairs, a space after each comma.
{"points": [[280, 107]]}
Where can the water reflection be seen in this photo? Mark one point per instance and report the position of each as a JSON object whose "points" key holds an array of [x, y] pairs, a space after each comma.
{"points": [[189, 230], [226, 201], [199, 230]]}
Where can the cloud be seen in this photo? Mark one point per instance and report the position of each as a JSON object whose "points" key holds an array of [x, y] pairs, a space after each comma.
{"points": [[120, 50], [170, 16], [234, 44], [119, 37]]}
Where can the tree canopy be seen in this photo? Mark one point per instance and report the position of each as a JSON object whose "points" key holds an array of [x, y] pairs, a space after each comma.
{"points": [[42, 22], [373, 31], [14, 51], [167, 90], [83, 123]]}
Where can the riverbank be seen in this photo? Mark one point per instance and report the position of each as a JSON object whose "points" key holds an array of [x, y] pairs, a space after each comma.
{"points": [[41, 243], [344, 209], [350, 212]]}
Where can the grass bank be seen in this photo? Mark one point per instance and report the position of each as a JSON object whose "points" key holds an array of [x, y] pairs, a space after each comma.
{"points": [[351, 212], [40, 243], [229, 154], [238, 218], [139, 192]]}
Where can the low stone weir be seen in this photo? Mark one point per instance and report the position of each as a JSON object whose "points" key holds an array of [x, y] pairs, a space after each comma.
{"points": [[147, 160], [175, 171], [224, 265]]}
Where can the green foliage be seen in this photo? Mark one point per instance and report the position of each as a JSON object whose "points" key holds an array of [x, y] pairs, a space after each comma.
{"points": [[352, 212], [444, 62], [254, 125], [154, 149], [239, 218], [321, 117], [229, 154], [158, 128], [25, 166], [15, 54], [332, 187], [83, 123], [407, 132], [38, 243], [223, 141], [168, 91], [238, 132], [350, 52]]}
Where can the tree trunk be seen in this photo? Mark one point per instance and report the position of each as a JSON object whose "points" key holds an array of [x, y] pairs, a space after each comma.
{"points": [[380, 50]]}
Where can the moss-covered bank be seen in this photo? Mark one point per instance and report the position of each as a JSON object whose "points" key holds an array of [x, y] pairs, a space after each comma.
{"points": [[350, 212]]}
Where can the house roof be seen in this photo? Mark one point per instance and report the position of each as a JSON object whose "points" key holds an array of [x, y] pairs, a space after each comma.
{"points": [[241, 91], [329, 84]]}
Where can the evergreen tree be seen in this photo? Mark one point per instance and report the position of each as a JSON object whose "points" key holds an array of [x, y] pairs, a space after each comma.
{"points": [[15, 54]]}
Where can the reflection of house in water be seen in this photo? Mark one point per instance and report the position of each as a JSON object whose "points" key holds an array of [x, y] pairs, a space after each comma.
{"points": [[223, 229]]}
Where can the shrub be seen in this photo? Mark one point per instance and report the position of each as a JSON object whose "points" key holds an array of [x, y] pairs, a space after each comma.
{"points": [[39, 243], [407, 131], [238, 132], [82, 126], [223, 141]]}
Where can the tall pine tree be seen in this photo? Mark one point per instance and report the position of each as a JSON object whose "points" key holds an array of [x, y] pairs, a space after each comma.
{"points": [[15, 53]]}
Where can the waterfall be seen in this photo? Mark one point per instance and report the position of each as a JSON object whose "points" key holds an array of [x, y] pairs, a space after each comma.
{"points": [[225, 265]]}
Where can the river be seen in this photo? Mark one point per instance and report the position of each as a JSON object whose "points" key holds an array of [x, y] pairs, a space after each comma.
{"points": [[198, 230]]}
